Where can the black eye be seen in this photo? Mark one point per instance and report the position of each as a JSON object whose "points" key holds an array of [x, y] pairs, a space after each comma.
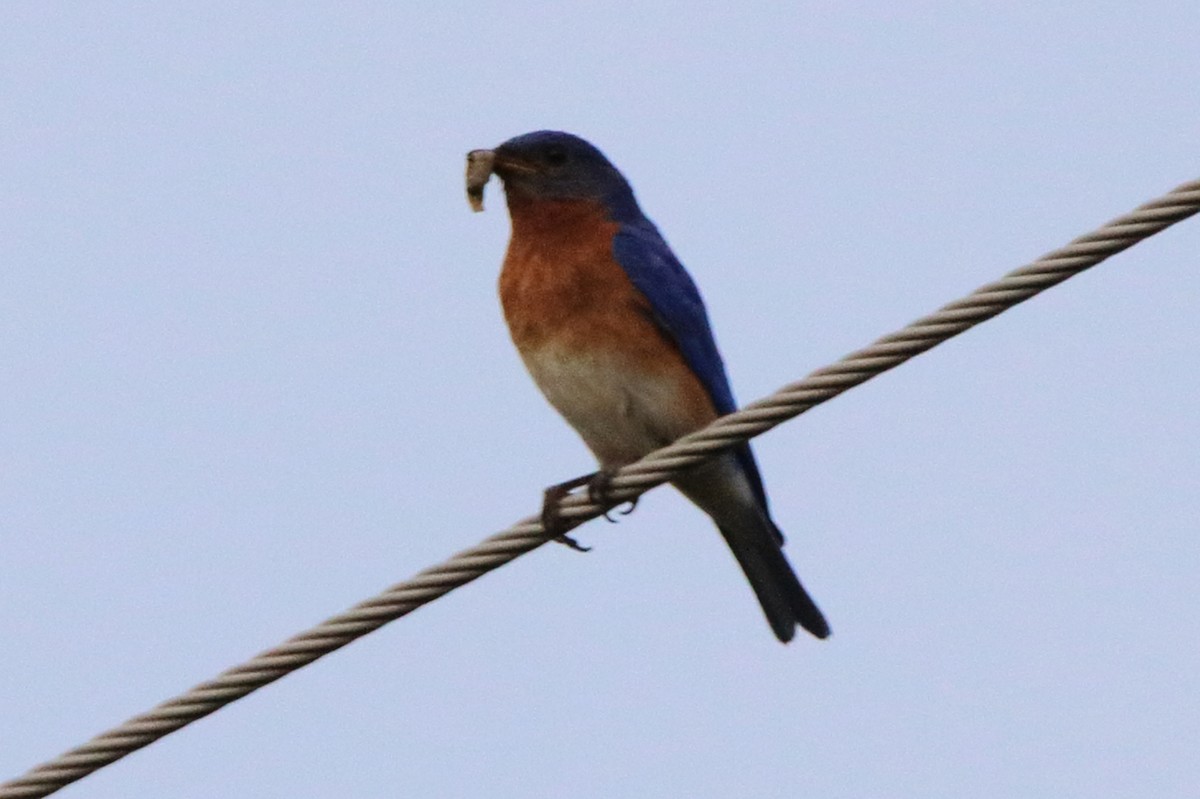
{"points": [[556, 155]]}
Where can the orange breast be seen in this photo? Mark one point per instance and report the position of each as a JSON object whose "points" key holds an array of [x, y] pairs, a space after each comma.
{"points": [[565, 298], [561, 285]]}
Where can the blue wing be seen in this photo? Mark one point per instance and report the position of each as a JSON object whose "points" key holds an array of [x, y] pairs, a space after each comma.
{"points": [[679, 312]]}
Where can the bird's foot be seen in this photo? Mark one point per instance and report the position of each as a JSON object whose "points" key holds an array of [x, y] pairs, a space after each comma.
{"points": [[551, 518], [599, 492]]}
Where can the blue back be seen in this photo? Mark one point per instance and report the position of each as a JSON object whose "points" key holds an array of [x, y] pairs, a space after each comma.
{"points": [[679, 311]]}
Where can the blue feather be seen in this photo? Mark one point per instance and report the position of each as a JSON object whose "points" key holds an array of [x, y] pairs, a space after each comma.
{"points": [[679, 311]]}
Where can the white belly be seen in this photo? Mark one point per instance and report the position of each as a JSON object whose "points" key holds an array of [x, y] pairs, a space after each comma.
{"points": [[621, 412]]}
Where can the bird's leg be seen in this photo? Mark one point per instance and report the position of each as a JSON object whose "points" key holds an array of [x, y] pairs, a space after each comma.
{"points": [[551, 520], [599, 491]]}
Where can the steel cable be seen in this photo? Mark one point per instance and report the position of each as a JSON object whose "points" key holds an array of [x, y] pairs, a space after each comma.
{"points": [[631, 481]]}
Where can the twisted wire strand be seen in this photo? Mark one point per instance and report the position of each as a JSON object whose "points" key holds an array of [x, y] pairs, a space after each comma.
{"points": [[631, 481]]}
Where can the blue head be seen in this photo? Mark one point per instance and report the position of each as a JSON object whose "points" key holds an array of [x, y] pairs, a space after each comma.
{"points": [[552, 165]]}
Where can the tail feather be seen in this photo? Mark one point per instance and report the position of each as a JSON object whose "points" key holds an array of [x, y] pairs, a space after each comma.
{"points": [[783, 598], [725, 490]]}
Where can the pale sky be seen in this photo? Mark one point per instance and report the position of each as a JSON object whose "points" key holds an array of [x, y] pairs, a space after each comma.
{"points": [[254, 371]]}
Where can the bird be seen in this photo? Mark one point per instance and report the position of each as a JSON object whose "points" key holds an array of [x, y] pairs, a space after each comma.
{"points": [[614, 332]]}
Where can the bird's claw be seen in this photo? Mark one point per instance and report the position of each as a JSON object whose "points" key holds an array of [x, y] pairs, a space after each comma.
{"points": [[599, 492], [551, 518], [567, 540]]}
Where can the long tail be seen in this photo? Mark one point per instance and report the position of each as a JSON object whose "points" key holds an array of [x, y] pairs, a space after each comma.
{"points": [[756, 545]]}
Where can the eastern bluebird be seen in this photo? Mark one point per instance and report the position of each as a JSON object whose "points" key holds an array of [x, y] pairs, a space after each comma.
{"points": [[614, 333]]}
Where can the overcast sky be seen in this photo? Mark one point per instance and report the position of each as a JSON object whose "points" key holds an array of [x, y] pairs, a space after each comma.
{"points": [[253, 370]]}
